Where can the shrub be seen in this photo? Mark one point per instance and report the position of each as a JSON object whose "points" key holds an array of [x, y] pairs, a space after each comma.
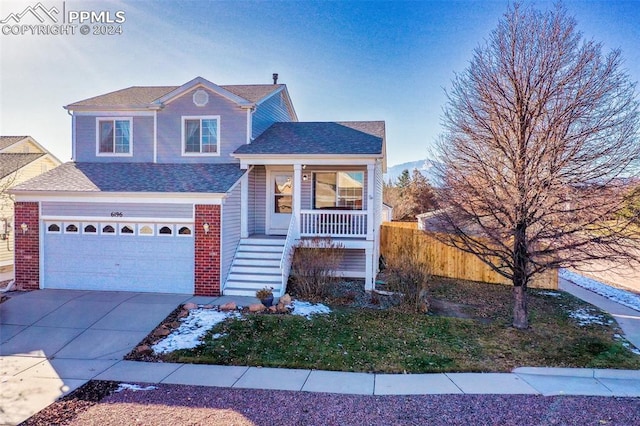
{"points": [[408, 276], [314, 266]]}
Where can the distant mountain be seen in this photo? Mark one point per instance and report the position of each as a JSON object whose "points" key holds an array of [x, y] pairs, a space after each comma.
{"points": [[425, 167]]}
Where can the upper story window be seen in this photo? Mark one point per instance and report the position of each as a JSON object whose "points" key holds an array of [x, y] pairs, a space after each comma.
{"points": [[201, 135], [114, 136], [343, 190]]}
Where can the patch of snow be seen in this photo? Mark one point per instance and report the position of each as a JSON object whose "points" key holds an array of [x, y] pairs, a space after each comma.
{"points": [[135, 388], [192, 329], [617, 295], [586, 316], [626, 344], [307, 309], [550, 293]]}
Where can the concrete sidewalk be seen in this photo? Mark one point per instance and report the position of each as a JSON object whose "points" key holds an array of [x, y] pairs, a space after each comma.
{"points": [[52, 342], [628, 319]]}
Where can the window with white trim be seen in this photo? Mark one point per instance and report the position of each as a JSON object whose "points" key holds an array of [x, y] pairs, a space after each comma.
{"points": [[114, 136], [342, 190], [201, 135]]}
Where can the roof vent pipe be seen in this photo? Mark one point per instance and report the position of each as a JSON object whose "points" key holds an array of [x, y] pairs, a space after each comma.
{"points": [[275, 78]]}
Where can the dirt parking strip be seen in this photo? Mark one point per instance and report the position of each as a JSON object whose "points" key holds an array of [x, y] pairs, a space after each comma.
{"points": [[196, 405]]}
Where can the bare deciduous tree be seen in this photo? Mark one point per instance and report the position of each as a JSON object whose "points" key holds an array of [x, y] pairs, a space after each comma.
{"points": [[541, 136]]}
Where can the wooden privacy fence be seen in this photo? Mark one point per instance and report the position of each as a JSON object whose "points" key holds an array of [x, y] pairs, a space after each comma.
{"points": [[444, 260]]}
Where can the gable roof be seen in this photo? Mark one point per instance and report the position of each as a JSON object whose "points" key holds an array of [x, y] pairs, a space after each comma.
{"points": [[7, 141], [319, 138], [12, 162], [136, 177], [153, 96]]}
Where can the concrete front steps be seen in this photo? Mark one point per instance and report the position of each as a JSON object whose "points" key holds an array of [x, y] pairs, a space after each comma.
{"points": [[256, 265]]}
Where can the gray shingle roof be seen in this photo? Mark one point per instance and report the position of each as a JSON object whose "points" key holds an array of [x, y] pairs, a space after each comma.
{"points": [[136, 177], [332, 138], [7, 141], [10, 162], [141, 96]]}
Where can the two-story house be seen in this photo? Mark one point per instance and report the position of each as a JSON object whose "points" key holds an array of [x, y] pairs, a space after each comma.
{"points": [[200, 189]]}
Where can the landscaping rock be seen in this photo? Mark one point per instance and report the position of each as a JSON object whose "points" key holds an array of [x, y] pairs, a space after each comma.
{"points": [[144, 350], [285, 300], [183, 314], [281, 308], [207, 307], [273, 309], [189, 306], [257, 307], [175, 324], [161, 331], [229, 306]]}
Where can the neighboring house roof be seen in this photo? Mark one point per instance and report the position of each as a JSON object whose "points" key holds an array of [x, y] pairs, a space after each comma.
{"points": [[10, 162], [313, 138], [143, 96], [136, 177], [7, 141]]}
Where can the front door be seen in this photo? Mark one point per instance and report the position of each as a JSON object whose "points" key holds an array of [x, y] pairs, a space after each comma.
{"points": [[280, 203]]}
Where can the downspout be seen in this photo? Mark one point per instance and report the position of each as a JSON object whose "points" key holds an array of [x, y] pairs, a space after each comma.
{"points": [[9, 286]]}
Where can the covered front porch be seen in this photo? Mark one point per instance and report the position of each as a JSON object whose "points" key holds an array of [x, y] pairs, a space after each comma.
{"points": [[281, 204]]}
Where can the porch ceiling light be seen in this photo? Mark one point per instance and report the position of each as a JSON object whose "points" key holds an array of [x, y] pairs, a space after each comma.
{"points": [[205, 226], [24, 228]]}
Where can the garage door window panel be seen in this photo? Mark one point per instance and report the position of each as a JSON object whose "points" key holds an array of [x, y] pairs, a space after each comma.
{"points": [[71, 228], [146, 230], [165, 230], [126, 229], [53, 228], [184, 231], [90, 228], [108, 230]]}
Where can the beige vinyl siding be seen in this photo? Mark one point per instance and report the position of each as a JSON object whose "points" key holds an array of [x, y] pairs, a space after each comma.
{"points": [[23, 147], [31, 170], [231, 231]]}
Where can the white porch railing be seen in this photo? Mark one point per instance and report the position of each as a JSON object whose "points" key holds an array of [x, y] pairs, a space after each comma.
{"points": [[333, 223], [287, 253]]}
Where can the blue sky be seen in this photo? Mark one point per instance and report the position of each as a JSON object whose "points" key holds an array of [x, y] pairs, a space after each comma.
{"points": [[341, 60]]}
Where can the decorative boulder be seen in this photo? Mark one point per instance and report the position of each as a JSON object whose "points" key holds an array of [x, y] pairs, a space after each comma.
{"points": [[257, 307], [144, 350], [189, 306], [285, 300], [229, 306]]}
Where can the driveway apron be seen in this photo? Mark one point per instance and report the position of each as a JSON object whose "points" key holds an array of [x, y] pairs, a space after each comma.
{"points": [[53, 341]]}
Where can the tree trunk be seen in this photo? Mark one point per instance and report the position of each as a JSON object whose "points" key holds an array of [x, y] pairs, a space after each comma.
{"points": [[520, 311], [520, 278]]}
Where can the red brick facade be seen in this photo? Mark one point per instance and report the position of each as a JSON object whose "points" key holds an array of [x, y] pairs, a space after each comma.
{"points": [[207, 251], [27, 246]]}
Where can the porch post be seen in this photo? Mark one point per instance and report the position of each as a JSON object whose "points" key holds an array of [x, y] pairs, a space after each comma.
{"points": [[369, 276], [244, 205], [297, 194], [371, 182]]}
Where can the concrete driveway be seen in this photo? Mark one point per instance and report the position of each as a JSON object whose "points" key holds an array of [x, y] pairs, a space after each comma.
{"points": [[53, 341]]}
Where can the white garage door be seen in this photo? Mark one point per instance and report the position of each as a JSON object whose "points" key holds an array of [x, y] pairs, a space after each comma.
{"points": [[145, 257]]}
